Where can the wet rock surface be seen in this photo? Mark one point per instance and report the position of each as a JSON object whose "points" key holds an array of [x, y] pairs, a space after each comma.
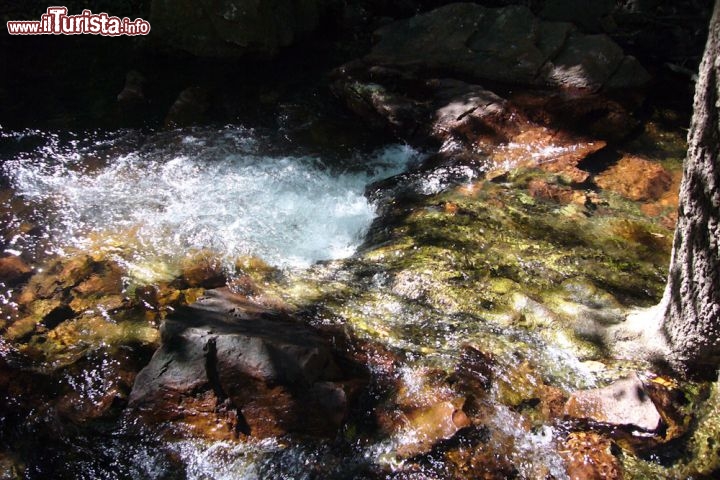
{"points": [[467, 123], [241, 369], [624, 403], [475, 307], [589, 456], [636, 178], [502, 90], [13, 270]]}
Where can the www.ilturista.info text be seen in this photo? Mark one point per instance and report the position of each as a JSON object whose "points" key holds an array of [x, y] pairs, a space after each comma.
{"points": [[56, 21]]}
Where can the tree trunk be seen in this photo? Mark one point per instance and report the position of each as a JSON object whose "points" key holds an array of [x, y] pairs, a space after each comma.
{"points": [[690, 308]]}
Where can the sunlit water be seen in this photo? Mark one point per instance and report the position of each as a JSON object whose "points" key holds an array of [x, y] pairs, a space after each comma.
{"points": [[150, 199], [222, 190]]}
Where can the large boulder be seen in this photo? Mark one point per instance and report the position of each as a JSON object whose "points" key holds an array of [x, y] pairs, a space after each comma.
{"points": [[590, 15], [507, 45], [494, 89], [228, 368], [232, 28]]}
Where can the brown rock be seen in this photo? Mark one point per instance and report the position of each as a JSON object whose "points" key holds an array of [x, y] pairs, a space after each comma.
{"points": [[109, 281], [13, 270], [11, 468], [475, 370], [541, 189], [481, 456], [92, 400], [552, 401], [58, 276], [189, 108], [103, 289], [636, 178], [431, 424], [45, 314], [134, 90], [72, 271], [624, 403], [21, 328], [468, 121], [202, 269], [588, 456]]}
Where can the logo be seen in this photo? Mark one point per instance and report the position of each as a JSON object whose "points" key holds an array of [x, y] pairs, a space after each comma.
{"points": [[56, 21]]}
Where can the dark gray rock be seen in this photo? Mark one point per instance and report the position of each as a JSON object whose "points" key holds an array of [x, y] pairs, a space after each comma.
{"points": [[590, 15], [508, 45], [585, 62], [224, 360]]}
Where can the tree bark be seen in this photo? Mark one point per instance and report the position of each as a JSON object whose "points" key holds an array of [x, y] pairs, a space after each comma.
{"points": [[690, 308]]}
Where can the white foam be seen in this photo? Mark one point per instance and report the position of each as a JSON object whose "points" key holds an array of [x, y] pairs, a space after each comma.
{"points": [[210, 190]]}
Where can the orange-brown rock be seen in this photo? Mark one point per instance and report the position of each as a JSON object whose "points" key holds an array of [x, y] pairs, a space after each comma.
{"points": [[470, 123], [58, 277], [475, 370], [636, 179], [552, 401], [588, 456], [13, 270], [104, 399], [429, 425], [480, 457]]}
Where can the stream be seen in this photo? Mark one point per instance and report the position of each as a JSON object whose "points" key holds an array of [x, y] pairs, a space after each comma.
{"points": [[431, 267]]}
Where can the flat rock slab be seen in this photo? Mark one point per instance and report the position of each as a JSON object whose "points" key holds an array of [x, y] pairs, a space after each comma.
{"points": [[228, 367], [624, 403]]}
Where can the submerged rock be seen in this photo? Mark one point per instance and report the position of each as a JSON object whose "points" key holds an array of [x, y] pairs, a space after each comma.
{"points": [[10, 467], [636, 178], [588, 456], [201, 269], [228, 367], [13, 270], [430, 425]]}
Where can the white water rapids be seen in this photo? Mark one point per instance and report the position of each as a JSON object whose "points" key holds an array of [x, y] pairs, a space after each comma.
{"points": [[217, 190]]}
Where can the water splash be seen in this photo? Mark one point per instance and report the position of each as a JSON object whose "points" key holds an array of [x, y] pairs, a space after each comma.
{"points": [[221, 190]]}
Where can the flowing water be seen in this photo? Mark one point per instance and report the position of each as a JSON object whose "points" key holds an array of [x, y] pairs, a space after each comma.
{"points": [[434, 282], [203, 189]]}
